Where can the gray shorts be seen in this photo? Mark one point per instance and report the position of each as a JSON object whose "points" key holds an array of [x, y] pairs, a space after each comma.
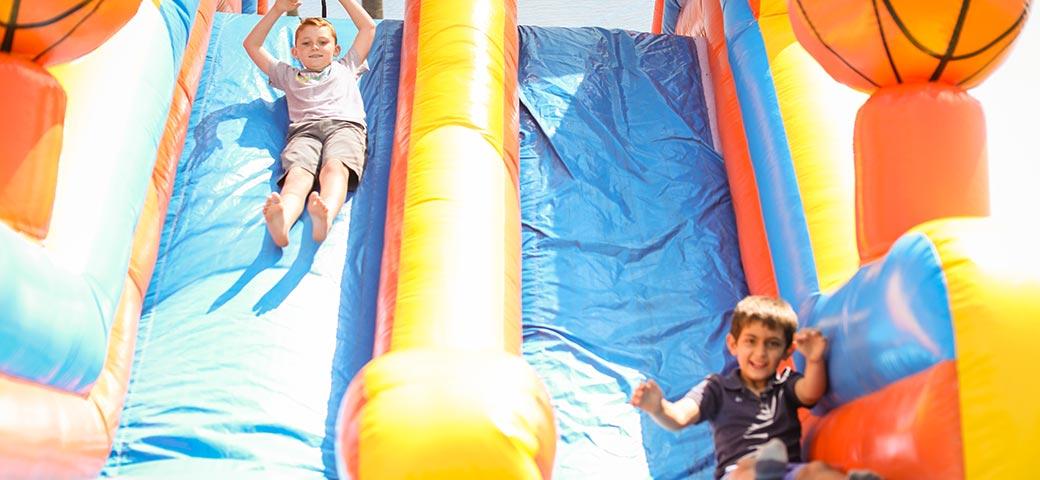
{"points": [[311, 143]]}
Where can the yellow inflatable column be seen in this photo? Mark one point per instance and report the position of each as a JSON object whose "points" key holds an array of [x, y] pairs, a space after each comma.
{"points": [[448, 395]]}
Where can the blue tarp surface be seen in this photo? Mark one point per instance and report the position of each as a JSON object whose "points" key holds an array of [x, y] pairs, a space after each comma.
{"points": [[244, 350], [630, 256]]}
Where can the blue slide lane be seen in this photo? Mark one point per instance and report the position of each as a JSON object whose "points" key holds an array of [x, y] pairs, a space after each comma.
{"points": [[630, 257], [245, 350]]}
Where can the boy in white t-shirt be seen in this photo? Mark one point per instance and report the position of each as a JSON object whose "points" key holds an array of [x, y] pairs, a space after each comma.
{"points": [[324, 151]]}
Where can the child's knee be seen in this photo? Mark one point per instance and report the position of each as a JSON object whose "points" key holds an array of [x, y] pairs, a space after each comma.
{"points": [[335, 166], [817, 469], [745, 469]]}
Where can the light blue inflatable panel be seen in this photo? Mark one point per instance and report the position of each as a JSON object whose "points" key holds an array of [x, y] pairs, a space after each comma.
{"points": [[179, 16], [890, 321], [245, 350], [630, 257]]}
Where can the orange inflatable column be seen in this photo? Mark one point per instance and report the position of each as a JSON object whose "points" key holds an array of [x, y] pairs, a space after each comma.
{"points": [[34, 104], [920, 155]]}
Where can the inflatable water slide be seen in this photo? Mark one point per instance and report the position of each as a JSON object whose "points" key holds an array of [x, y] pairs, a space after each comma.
{"points": [[547, 216]]}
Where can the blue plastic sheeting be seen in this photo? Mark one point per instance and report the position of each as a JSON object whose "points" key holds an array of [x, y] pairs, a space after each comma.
{"points": [[670, 15], [55, 317], [249, 6], [786, 228], [179, 15], [890, 321], [630, 258], [244, 350]]}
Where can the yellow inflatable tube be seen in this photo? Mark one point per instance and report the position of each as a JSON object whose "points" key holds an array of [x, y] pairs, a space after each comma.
{"points": [[448, 395]]}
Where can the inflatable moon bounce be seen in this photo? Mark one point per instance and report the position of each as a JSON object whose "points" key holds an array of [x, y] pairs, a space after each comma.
{"points": [[547, 217]]}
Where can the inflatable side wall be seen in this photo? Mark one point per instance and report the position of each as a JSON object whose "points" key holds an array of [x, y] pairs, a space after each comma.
{"points": [[71, 302], [928, 316], [867, 214]]}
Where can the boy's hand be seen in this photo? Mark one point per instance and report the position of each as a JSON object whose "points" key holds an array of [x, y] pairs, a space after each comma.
{"points": [[647, 396], [287, 5], [811, 343]]}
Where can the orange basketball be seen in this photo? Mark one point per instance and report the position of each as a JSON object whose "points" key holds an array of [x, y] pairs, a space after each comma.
{"points": [[867, 44], [55, 31]]}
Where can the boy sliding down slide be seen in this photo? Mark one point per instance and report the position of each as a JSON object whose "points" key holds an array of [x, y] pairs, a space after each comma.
{"points": [[753, 410], [325, 145]]}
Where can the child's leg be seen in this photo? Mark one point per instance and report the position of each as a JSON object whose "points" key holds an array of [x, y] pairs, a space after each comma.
{"points": [[300, 162], [282, 210], [343, 152], [771, 461], [324, 206]]}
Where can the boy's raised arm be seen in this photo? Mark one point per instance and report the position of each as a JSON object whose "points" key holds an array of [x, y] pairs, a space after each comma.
{"points": [[813, 383], [673, 416], [365, 25], [254, 42]]}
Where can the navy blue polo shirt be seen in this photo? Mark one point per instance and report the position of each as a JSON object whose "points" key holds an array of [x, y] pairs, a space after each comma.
{"points": [[742, 421]]}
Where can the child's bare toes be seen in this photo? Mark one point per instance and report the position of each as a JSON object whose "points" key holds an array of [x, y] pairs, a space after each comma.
{"points": [[319, 213], [275, 218]]}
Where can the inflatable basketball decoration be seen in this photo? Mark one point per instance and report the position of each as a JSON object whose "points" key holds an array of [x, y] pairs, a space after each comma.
{"points": [[916, 58], [868, 44], [55, 31]]}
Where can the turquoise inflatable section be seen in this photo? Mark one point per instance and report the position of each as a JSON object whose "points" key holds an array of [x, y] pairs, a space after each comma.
{"points": [[244, 350]]}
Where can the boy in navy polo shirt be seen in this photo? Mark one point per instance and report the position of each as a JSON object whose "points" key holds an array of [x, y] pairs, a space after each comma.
{"points": [[753, 410]]}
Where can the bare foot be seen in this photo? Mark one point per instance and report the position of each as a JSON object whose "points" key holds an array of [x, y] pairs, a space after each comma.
{"points": [[275, 217], [319, 212]]}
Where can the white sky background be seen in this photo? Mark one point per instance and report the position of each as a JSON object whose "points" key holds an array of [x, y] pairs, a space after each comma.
{"points": [[627, 14], [1011, 100], [1010, 97]]}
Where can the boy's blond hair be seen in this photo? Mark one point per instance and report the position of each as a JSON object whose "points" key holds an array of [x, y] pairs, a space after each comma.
{"points": [[774, 313], [314, 22]]}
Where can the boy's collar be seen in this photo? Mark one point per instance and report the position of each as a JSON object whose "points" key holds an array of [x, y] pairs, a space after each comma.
{"points": [[304, 69], [732, 381], [307, 70]]}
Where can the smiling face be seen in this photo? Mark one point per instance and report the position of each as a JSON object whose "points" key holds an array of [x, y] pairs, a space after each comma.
{"points": [[315, 47], [759, 351]]}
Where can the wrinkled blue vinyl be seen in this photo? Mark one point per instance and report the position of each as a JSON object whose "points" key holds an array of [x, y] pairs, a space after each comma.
{"points": [[244, 350], [630, 257]]}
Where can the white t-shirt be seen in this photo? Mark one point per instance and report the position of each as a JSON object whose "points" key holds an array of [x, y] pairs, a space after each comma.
{"points": [[332, 93]]}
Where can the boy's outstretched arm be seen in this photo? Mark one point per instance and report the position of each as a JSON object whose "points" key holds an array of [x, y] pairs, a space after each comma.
{"points": [[254, 42], [813, 383], [673, 416], [365, 25]]}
